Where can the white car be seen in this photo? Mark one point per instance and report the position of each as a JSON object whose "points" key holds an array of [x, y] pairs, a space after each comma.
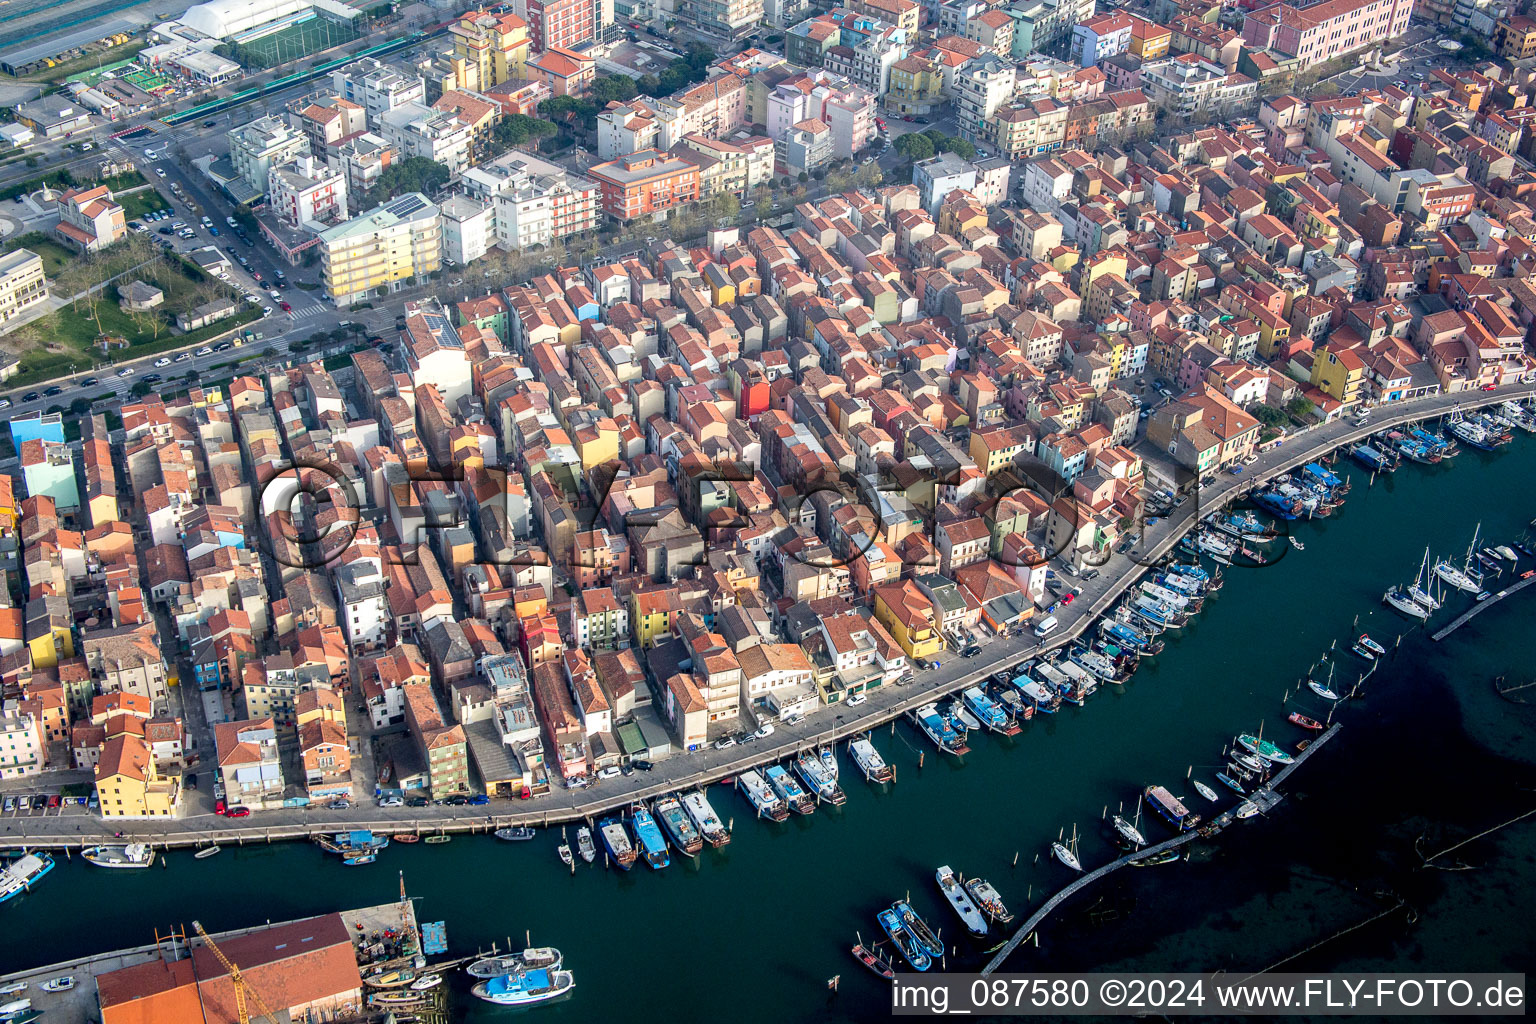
{"points": [[855, 700], [160, 171], [391, 801], [163, 361], [725, 743], [254, 300], [609, 773], [764, 731], [5, 403], [183, 357], [204, 351], [126, 371], [266, 310]]}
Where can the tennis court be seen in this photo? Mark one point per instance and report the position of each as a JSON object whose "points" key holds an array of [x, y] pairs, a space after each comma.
{"points": [[295, 42], [149, 81]]}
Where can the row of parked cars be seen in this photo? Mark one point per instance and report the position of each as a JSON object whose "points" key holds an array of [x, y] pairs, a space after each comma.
{"points": [[27, 803]]}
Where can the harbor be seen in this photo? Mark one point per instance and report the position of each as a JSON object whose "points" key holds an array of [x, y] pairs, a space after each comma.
{"points": [[1185, 700]]}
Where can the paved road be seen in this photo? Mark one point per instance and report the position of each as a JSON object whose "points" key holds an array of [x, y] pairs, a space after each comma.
{"points": [[1412, 63], [827, 726]]}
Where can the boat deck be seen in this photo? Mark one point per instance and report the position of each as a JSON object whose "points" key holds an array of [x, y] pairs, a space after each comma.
{"points": [[1470, 613], [80, 1005], [1267, 800]]}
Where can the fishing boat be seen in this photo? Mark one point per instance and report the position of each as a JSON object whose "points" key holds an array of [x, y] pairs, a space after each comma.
{"points": [[1399, 599], [358, 841], [1131, 833], [391, 979], [939, 729], [822, 783], [22, 873], [616, 840], [1247, 809], [406, 837], [396, 999], [63, 983], [875, 962], [1099, 664], [705, 819], [563, 851], [1371, 645], [525, 988], [785, 785], [426, 981], [1153, 860], [358, 858], [918, 929], [653, 845], [133, 855], [1298, 545], [516, 833], [1297, 718], [1360, 650], [869, 760], [989, 711], [678, 826], [962, 719], [965, 908], [212, 851], [585, 848], [1170, 808], [1045, 701], [1204, 790], [1231, 783], [906, 944], [1261, 747], [1321, 689], [767, 803], [534, 957], [987, 898], [1249, 762], [829, 761]]}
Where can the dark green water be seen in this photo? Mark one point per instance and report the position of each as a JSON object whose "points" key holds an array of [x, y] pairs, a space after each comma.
{"points": [[754, 931]]}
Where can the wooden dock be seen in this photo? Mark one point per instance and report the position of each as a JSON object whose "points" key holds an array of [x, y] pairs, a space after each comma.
{"points": [[1264, 796], [1471, 613]]}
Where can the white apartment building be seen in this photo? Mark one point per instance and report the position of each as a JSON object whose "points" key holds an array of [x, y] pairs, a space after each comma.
{"points": [[21, 743], [22, 285], [307, 193], [981, 87], [533, 201], [361, 606], [417, 130], [381, 248], [847, 109], [869, 62], [469, 229], [363, 159], [1188, 85], [377, 87], [625, 129], [254, 148]]}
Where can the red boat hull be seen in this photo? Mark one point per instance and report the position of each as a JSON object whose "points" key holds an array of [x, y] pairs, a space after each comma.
{"points": [[1297, 718]]}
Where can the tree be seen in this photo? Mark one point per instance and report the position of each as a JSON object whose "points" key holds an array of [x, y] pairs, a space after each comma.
{"points": [[519, 129], [647, 85], [1300, 407], [804, 177], [915, 146], [727, 207], [869, 176], [413, 174], [1268, 415], [960, 147], [616, 88]]}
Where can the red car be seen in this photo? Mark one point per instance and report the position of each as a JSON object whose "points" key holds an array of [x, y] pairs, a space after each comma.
{"points": [[237, 812], [1490, 387], [285, 307]]}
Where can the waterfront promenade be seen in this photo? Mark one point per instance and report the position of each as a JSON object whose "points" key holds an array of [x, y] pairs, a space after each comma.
{"points": [[826, 726]]}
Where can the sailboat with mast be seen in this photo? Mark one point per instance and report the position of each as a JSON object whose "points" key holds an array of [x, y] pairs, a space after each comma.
{"points": [[1421, 584], [1131, 833], [1460, 578], [1067, 853]]}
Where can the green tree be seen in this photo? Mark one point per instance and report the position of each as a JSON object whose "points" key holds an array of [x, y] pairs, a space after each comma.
{"points": [[1300, 407], [619, 88], [413, 174], [960, 147], [519, 129], [646, 85], [915, 146], [726, 206], [804, 177]]}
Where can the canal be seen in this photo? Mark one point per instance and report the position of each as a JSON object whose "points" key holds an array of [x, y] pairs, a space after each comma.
{"points": [[755, 930]]}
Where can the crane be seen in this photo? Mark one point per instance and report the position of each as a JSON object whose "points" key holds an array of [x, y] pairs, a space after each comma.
{"points": [[237, 980]]}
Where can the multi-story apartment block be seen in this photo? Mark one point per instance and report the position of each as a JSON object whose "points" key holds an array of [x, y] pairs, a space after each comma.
{"points": [[254, 148], [90, 219], [846, 109], [1040, 24], [1319, 32], [532, 201], [328, 123], [1101, 36], [728, 166], [982, 86], [363, 159], [711, 109], [1189, 85], [626, 128], [493, 48], [381, 248], [249, 764], [726, 19], [22, 285], [567, 23], [916, 86], [377, 87], [645, 183], [307, 193], [415, 129]]}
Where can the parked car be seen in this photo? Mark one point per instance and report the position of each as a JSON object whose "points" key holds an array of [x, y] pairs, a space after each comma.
{"points": [[24, 803], [609, 773], [163, 361], [764, 731], [855, 700], [31, 396], [237, 812], [205, 351], [10, 803], [1490, 387], [643, 766], [52, 390], [54, 800], [417, 801], [725, 742], [391, 801], [5, 403], [126, 371], [479, 800]]}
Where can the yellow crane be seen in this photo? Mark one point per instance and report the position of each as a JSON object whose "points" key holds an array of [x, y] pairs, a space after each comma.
{"points": [[237, 980]]}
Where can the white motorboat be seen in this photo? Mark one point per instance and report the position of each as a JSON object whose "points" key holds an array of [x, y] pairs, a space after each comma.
{"points": [[63, 983], [869, 760], [1204, 790], [134, 855], [965, 907], [1247, 809], [426, 981], [525, 988], [584, 845]]}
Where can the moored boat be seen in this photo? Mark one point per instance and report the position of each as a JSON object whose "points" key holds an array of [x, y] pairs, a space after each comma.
{"points": [[685, 838], [1131, 833], [1297, 718], [1399, 598], [546, 957], [1164, 857], [940, 730], [63, 983], [1204, 790], [1264, 748], [426, 981], [1247, 809], [764, 800], [822, 783], [208, 851], [1170, 808], [585, 848], [525, 988], [987, 898], [563, 851], [989, 712], [1231, 783], [785, 785], [1359, 650], [1321, 689], [515, 834], [696, 803], [874, 961], [965, 908], [621, 850], [869, 760], [906, 944], [918, 929], [1064, 853], [653, 845], [1371, 645], [22, 873], [133, 855]]}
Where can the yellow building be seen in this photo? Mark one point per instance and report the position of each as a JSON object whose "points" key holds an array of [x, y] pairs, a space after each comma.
{"points": [[1102, 264], [917, 86], [319, 705], [127, 783], [48, 634], [597, 443], [382, 248], [908, 613], [650, 614], [1149, 40], [7, 504], [1339, 373], [992, 450], [493, 49]]}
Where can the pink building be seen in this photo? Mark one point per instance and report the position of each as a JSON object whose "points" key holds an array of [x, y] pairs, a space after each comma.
{"points": [[1326, 30]]}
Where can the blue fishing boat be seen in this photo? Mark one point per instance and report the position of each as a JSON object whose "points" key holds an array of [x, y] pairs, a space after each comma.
{"points": [[785, 785], [939, 729], [1372, 459], [621, 851], [1041, 697], [1231, 783], [22, 873], [905, 944], [820, 779], [989, 712], [1275, 503], [652, 843], [1170, 808], [918, 929], [1194, 572]]}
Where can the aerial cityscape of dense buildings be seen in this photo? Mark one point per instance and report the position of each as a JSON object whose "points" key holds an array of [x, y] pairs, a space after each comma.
{"points": [[688, 389]]}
